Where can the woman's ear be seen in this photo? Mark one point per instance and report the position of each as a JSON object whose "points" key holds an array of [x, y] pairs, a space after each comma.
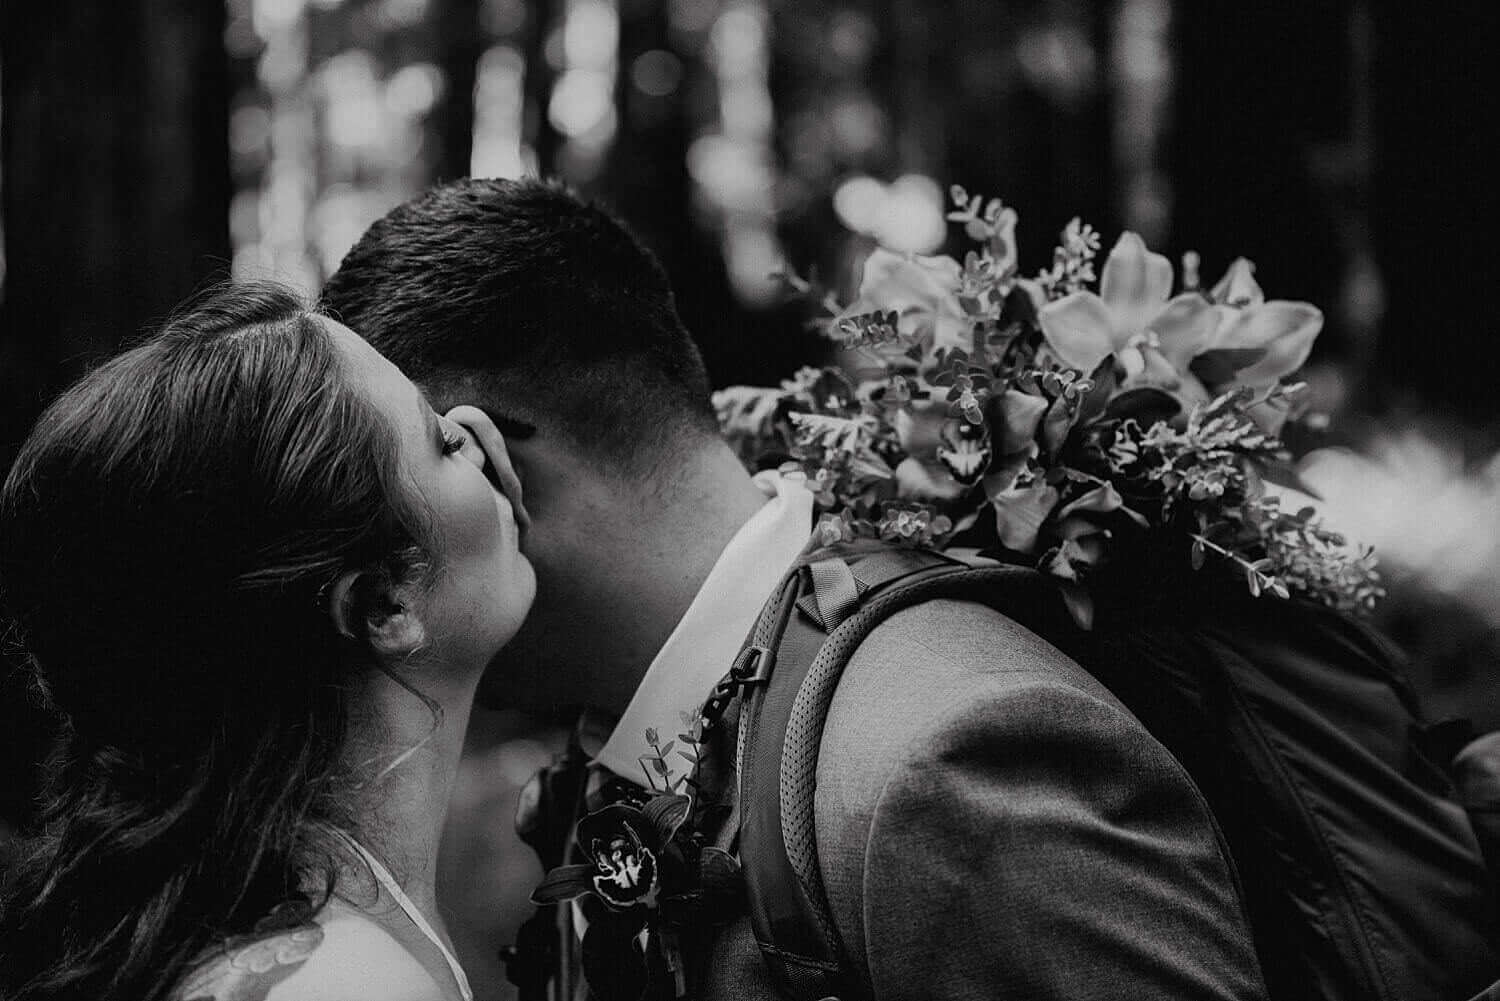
{"points": [[372, 613]]}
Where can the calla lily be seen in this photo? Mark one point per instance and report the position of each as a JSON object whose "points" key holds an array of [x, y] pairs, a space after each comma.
{"points": [[1284, 330], [923, 291], [1021, 511], [1021, 415], [1131, 318]]}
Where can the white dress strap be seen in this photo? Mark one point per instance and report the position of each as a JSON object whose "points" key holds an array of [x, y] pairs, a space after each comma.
{"points": [[384, 877]]}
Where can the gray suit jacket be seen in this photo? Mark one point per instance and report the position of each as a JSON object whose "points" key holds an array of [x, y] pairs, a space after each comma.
{"points": [[992, 823]]}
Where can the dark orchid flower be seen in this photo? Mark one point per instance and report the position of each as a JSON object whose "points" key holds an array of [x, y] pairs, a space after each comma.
{"points": [[623, 845], [657, 882]]}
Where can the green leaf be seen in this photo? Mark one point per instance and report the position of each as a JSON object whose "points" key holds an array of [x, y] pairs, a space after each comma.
{"points": [[564, 883], [1080, 605], [665, 814], [1145, 404], [1102, 500], [830, 432], [1284, 473], [1219, 366], [1103, 383]]}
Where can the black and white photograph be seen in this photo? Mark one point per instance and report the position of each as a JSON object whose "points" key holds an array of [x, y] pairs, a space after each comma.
{"points": [[749, 500]]}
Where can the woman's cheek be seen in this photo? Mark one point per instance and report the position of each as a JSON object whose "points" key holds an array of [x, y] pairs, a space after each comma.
{"points": [[486, 515]]}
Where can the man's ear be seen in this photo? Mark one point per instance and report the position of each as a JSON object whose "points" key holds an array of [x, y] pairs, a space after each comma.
{"points": [[373, 614], [492, 453]]}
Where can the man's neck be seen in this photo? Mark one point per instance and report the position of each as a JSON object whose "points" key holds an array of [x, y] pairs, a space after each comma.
{"points": [[670, 541]]}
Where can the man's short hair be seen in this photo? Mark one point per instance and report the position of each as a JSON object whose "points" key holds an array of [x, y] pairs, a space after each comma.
{"points": [[520, 296]]}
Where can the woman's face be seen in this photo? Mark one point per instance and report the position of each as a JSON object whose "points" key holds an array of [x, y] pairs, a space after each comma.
{"points": [[483, 587]]}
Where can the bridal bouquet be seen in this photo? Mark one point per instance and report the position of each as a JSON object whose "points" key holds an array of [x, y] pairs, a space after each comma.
{"points": [[1047, 419]]}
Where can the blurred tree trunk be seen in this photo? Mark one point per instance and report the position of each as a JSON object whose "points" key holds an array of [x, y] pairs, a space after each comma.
{"points": [[915, 71], [1263, 105], [1436, 203], [646, 182], [116, 179], [116, 202], [646, 178], [1027, 115], [540, 76], [461, 43]]}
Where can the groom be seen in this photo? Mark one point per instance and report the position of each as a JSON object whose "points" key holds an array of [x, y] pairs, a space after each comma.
{"points": [[991, 822]]}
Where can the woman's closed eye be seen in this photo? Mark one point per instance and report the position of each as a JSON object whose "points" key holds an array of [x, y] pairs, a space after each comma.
{"points": [[453, 435], [454, 439]]}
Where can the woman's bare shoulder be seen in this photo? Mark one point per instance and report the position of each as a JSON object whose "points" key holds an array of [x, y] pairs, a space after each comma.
{"points": [[341, 956]]}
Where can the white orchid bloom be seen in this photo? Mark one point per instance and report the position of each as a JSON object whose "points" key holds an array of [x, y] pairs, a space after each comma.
{"points": [[1284, 330], [923, 291], [1131, 317]]}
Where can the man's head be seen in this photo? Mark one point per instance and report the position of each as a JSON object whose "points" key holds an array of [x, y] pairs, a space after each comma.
{"points": [[542, 306], [544, 311]]}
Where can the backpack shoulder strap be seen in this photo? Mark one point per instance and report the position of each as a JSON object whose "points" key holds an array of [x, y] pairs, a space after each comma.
{"points": [[807, 634]]}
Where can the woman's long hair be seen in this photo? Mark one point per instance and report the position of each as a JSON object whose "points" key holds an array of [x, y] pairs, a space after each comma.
{"points": [[167, 537]]}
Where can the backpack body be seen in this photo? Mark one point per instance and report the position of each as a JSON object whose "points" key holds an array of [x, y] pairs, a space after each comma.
{"points": [[1360, 872]]}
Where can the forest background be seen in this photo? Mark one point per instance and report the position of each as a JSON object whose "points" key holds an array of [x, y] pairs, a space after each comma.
{"points": [[151, 147]]}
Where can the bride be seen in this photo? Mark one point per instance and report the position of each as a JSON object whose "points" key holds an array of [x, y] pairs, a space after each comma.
{"points": [[258, 579]]}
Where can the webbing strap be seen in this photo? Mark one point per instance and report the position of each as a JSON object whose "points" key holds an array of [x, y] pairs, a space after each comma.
{"points": [[885, 567], [835, 594], [839, 586]]}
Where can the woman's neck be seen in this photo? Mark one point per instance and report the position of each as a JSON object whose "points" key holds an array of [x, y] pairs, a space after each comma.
{"points": [[405, 758]]}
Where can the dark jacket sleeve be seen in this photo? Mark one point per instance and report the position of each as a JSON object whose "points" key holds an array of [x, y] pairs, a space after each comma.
{"points": [[1027, 840]]}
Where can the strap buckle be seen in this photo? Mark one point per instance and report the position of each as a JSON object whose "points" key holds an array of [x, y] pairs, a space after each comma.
{"points": [[752, 666]]}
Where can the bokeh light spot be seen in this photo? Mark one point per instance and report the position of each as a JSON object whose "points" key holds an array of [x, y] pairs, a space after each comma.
{"points": [[581, 100], [858, 201]]}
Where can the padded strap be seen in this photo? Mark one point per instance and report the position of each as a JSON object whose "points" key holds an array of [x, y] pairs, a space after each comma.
{"points": [[1018, 592], [800, 947], [778, 770]]}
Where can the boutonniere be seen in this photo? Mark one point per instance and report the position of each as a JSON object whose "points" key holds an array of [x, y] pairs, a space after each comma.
{"points": [[661, 884]]}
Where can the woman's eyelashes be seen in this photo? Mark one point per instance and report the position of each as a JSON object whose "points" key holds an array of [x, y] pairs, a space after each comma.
{"points": [[454, 438]]}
